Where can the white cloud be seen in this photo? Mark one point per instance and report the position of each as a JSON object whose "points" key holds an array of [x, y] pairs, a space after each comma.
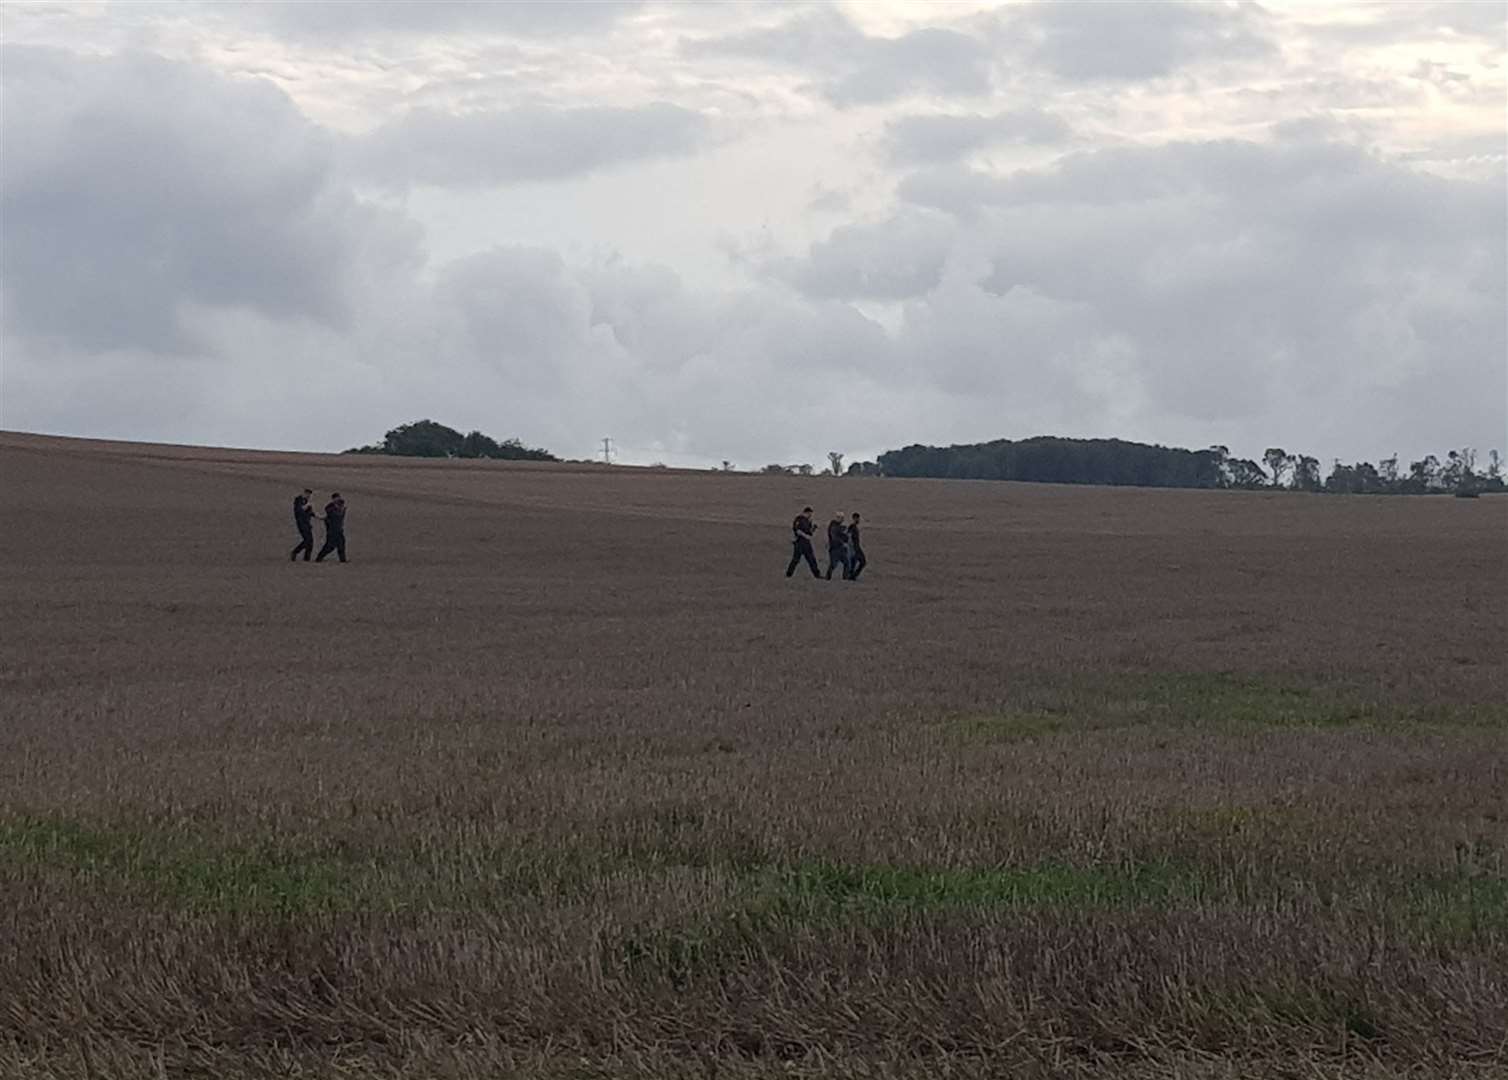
{"points": [[334, 20], [858, 68]]}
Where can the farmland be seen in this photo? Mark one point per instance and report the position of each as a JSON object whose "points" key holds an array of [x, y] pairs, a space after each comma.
{"points": [[559, 777]]}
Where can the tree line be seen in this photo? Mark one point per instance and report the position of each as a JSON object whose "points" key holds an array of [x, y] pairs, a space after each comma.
{"points": [[834, 468], [1117, 462], [1051, 460], [425, 438]]}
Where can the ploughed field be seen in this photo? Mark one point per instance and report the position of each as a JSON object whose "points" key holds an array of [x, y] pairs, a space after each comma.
{"points": [[560, 777]]}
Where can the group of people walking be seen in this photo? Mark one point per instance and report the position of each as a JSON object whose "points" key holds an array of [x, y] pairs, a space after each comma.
{"points": [[844, 551], [335, 526]]}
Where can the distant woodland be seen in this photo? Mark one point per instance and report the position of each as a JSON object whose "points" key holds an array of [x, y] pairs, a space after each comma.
{"points": [[1051, 460], [1047, 459], [425, 438]]}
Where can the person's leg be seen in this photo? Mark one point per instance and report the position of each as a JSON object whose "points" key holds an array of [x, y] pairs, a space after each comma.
{"points": [[832, 557], [811, 559], [329, 547], [795, 560], [857, 565], [340, 547]]}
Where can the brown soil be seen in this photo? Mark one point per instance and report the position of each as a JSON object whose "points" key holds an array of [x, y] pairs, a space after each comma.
{"points": [[560, 777]]}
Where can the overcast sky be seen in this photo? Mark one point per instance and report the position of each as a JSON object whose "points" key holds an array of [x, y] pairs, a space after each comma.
{"points": [[757, 232]]}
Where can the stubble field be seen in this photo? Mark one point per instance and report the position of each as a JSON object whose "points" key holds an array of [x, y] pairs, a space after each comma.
{"points": [[560, 777]]}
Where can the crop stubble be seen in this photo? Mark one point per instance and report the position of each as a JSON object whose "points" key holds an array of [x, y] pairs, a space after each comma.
{"points": [[559, 777]]}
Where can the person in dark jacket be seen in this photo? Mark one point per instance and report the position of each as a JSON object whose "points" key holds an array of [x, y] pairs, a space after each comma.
{"points": [[303, 521], [801, 541], [856, 560], [837, 546], [335, 528]]}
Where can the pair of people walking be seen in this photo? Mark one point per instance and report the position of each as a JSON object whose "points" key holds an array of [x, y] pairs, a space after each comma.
{"points": [[844, 550], [335, 526]]}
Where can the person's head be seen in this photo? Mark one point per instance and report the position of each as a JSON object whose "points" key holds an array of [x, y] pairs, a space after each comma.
{"points": [[308, 492], [838, 515], [806, 511], [335, 496], [856, 519]]}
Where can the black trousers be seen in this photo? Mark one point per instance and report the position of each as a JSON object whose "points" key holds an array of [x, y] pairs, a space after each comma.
{"points": [[803, 551], [856, 562], [837, 556], [306, 544], [334, 541]]}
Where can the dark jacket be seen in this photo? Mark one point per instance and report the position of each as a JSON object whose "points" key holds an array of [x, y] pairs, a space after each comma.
{"points": [[837, 535], [303, 513], [802, 529], [335, 516]]}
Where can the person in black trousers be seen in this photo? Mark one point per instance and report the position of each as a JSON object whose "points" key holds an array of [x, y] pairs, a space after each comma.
{"points": [[837, 546], [335, 528], [303, 520], [801, 541], [856, 560]]}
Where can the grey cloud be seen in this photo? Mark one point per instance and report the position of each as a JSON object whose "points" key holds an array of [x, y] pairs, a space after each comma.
{"points": [[1251, 283], [957, 190], [1021, 351], [933, 60], [1464, 17], [1297, 291], [1479, 153], [631, 350], [332, 20], [1319, 185], [821, 39], [135, 189], [946, 137], [829, 201], [1104, 39], [890, 260], [527, 143], [860, 69], [524, 313]]}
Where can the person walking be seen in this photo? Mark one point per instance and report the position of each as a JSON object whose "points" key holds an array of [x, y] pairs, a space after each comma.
{"points": [[837, 546], [303, 521], [856, 560], [335, 528], [801, 542]]}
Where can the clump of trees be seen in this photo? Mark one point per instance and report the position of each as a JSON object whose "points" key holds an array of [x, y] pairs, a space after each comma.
{"points": [[1116, 462], [1046, 459], [1458, 474], [425, 438]]}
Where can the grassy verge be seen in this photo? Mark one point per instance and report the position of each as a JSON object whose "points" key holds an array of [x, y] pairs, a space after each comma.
{"points": [[1210, 701]]}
